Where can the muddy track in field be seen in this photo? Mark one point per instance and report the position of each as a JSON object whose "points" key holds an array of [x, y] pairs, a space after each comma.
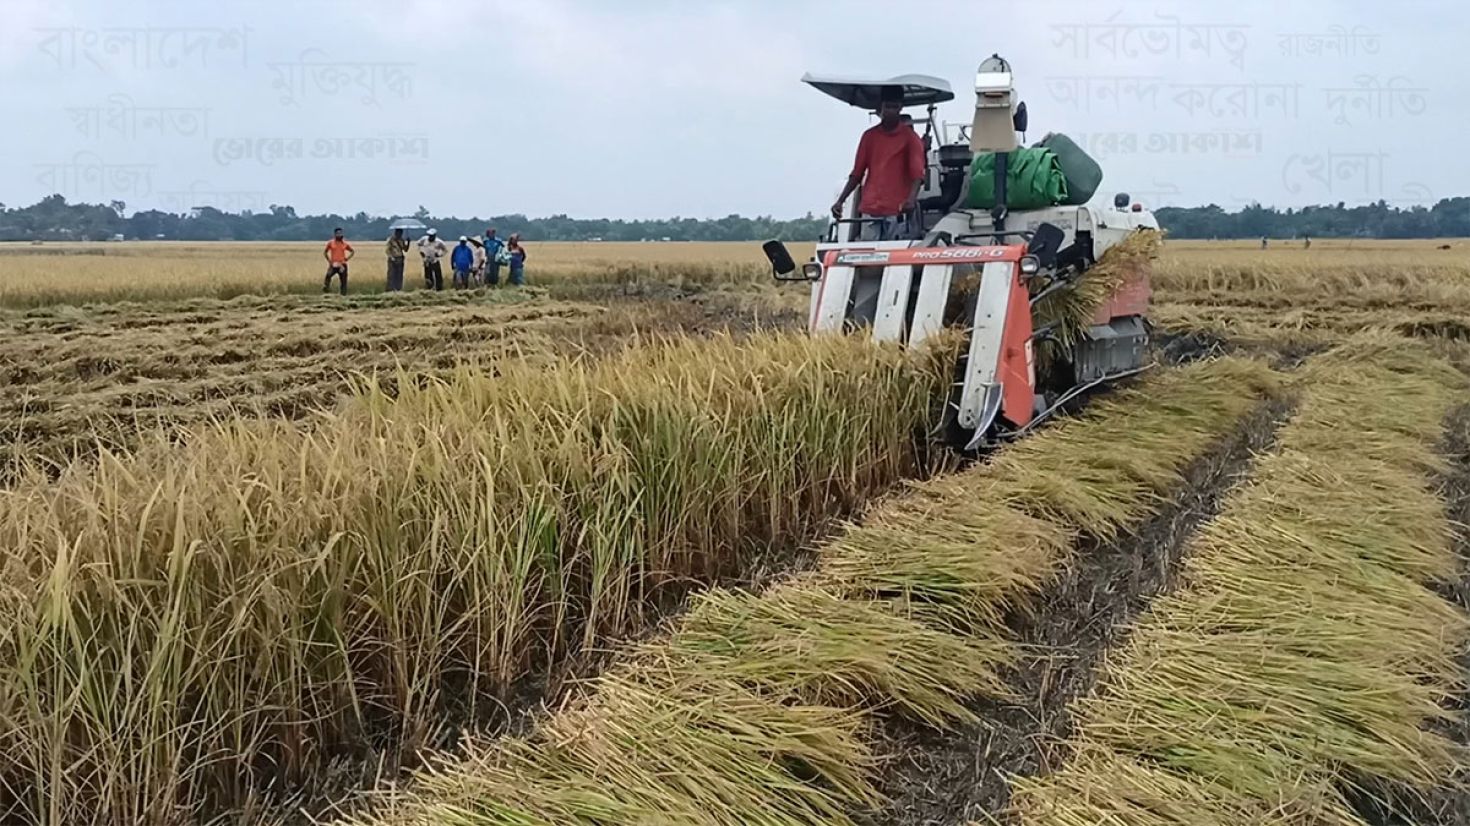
{"points": [[1183, 347], [959, 776]]}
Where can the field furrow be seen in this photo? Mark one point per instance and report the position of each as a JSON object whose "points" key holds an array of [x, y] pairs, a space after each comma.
{"points": [[763, 707], [1303, 668]]}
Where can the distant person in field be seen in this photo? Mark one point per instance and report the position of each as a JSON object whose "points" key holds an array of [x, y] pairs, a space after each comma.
{"points": [[397, 252], [432, 249], [517, 254], [337, 253], [1306, 242], [1264, 242], [463, 260], [494, 257], [477, 270], [889, 167]]}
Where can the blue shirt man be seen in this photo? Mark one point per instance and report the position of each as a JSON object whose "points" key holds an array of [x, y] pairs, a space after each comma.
{"points": [[493, 246], [463, 260]]}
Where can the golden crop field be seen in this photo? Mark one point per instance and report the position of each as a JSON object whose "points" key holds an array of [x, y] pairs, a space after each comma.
{"points": [[625, 546], [75, 273]]}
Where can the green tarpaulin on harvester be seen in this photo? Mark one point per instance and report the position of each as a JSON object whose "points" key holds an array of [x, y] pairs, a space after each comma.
{"points": [[1034, 180]]}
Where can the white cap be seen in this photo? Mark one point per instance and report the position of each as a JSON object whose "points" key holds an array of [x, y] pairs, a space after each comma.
{"points": [[433, 232], [462, 238]]}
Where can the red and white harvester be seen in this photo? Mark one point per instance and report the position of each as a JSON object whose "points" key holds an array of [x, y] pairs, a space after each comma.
{"points": [[980, 270]]}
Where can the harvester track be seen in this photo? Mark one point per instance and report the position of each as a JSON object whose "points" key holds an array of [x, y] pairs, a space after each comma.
{"points": [[940, 777]]}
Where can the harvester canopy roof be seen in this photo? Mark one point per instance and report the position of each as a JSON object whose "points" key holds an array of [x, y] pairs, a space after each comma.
{"points": [[867, 92]]}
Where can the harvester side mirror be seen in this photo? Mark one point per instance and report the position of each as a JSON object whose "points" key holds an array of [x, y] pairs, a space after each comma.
{"points": [[1019, 118], [782, 264]]}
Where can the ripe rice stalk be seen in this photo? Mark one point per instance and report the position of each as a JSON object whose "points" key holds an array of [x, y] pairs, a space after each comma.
{"points": [[966, 563], [1306, 650], [1392, 535], [929, 550], [652, 748], [197, 620], [1128, 450], [1241, 707], [801, 640], [1140, 793]]}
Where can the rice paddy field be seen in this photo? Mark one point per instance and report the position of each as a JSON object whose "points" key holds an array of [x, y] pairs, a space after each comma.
{"points": [[625, 547]]}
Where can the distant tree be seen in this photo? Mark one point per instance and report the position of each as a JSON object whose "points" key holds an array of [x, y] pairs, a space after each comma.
{"points": [[53, 218]]}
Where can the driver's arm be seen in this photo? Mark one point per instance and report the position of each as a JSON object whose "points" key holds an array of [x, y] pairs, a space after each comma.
{"points": [[852, 185], [859, 168]]}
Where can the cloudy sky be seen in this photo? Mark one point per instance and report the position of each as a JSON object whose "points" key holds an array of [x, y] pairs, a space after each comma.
{"points": [[653, 108]]}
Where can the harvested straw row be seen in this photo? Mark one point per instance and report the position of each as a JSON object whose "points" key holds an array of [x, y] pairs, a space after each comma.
{"points": [[1306, 654], [181, 626], [754, 708]]}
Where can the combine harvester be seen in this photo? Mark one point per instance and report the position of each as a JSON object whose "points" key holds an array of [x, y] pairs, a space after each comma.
{"points": [[963, 259]]}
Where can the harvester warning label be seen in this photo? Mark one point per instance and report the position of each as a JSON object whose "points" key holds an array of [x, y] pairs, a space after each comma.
{"points": [[863, 258]]}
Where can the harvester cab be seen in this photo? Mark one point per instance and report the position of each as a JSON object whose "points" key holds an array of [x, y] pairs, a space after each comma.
{"points": [[994, 248]]}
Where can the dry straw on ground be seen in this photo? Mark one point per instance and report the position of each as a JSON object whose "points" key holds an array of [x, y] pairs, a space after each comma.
{"points": [[74, 380], [754, 709], [1307, 654]]}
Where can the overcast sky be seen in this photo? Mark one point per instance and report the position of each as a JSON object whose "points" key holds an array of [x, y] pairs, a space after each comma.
{"points": [[655, 108]]}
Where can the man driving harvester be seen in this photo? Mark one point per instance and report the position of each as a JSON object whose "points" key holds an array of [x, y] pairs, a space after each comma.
{"points": [[889, 167]]}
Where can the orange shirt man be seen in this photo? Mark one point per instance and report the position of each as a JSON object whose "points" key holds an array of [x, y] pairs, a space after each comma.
{"points": [[337, 253]]}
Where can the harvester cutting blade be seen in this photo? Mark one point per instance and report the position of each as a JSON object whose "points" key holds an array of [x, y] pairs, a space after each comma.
{"points": [[989, 409]]}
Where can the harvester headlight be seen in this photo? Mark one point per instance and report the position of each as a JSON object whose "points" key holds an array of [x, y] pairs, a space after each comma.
{"points": [[812, 270], [1030, 265]]}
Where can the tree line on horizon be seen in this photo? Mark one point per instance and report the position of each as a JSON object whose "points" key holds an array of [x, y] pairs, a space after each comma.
{"points": [[54, 219]]}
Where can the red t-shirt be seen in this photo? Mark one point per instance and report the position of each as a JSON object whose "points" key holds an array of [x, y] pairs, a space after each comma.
{"points": [[893, 161]]}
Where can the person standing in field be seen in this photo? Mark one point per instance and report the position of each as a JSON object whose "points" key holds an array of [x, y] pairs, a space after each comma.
{"points": [[338, 252], [432, 249], [462, 261], [889, 166], [494, 249], [397, 252], [517, 255], [477, 270]]}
